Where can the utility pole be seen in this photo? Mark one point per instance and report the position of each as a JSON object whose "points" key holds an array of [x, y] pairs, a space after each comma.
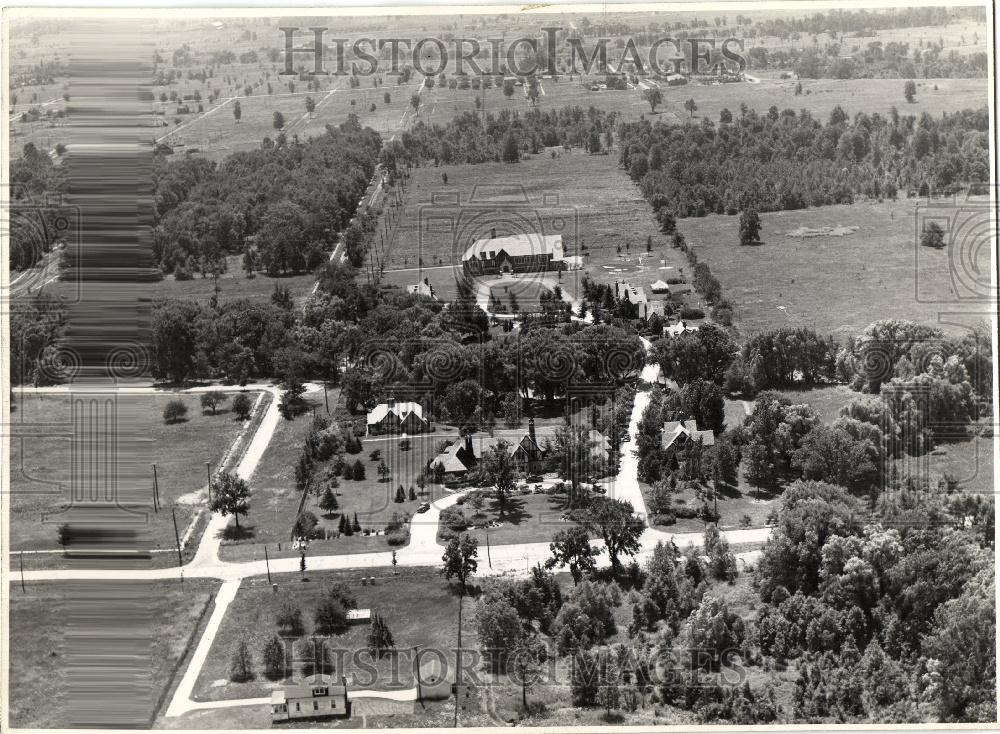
{"points": [[208, 471], [488, 558], [458, 650], [21, 558], [156, 491], [177, 537], [326, 398], [267, 565]]}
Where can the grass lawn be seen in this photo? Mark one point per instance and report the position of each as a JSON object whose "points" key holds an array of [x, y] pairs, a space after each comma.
{"points": [[233, 285], [396, 598], [837, 284], [529, 518], [274, 497], [41, 464], [161, 618], [734, 503], [825, 401], [970, 461]]}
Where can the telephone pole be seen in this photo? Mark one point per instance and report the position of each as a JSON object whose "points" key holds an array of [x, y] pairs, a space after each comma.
{"points": [[156, 491], [177, 537], [208, 472]]}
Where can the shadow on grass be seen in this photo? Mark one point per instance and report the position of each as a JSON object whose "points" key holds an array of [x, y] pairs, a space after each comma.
{"points": [[234, 533]]}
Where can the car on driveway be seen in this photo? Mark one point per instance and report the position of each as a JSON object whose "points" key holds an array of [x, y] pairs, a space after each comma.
{"points": [[424, 507]]}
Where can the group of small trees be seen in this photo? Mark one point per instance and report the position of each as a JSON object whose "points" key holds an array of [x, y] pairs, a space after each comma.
{"points": [[176, 410], [330, 619]]}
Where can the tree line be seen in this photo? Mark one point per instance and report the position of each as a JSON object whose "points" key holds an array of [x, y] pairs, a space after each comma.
{"points": [[788, 160]]}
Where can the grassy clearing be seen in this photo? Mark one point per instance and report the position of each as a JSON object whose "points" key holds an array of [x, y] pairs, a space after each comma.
{"points": [[39, 650], [418, 605], [836, 285], [529, 518], [274, 497], [825, 401], [41, 465], [970, 461], [233, 285], [819, 96]]}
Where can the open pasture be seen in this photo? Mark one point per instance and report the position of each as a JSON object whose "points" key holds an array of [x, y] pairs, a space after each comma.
{"points": [[819, 97], [837, 284], [41, 470], [163, 618]]}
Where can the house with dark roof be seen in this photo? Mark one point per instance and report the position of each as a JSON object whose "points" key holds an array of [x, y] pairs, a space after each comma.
{"points": [[528, 449], [637, 296], [397, 417], [678, 434], [317, 698], [521, 253]]}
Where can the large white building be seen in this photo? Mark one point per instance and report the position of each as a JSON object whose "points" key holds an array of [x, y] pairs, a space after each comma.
{"points": [[521, 253]]}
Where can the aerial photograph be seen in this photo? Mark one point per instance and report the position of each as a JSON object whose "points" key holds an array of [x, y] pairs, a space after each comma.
{"points": [[570, 367]]}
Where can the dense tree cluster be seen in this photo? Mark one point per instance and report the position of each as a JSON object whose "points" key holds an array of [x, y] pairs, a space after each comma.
{"points": [[789, 160], [282, 204], [33, 219], [780, 359], [467, 139], [873, 613], [36, 327]]}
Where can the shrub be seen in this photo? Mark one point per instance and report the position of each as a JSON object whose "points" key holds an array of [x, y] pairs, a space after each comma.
{"points": [[175, 411], [692, 312], [242, 406], [305, 525]]}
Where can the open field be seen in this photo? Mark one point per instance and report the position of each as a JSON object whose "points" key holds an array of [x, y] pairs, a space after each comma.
{"points": [[840, 284], [819, 96], [233, 285], [162, 618], [428, 618], [41, 465]]}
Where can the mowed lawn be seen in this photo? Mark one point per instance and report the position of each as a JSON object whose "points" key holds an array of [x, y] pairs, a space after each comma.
{"points": [[418, 606], [528, 518], [840, 284], [162, 618], [41, 464], [233, 285]]}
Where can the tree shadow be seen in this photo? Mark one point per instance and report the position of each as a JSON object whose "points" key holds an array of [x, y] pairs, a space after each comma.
{"points": [[242, 532], [514, 511]]}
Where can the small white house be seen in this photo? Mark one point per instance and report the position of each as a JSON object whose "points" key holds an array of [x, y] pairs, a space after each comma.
{"points": [[314, 699]]}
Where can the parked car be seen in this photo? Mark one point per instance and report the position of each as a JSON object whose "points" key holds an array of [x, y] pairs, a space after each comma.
{"points": [[424, 507]]}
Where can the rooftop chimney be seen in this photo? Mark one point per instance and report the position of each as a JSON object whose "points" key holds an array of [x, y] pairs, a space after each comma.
{"points": [[531, 430], [493, 233]]}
